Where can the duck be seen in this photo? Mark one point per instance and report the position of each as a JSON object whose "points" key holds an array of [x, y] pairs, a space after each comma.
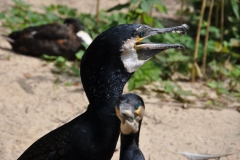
{"points": [[130, 110], [51, 39], [106, 66]]}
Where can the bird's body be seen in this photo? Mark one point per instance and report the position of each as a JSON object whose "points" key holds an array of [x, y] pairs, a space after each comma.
{"points": [[129, 149], [94, 134], [50, 39], [81, 138], [130, 110]]}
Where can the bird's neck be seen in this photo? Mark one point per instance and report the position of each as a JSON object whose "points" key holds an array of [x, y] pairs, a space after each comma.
{"points": [[104, 86], [128, 140]]}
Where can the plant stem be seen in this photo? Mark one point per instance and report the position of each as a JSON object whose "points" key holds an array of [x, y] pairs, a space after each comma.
{"points": [[206, 37], [181, 11], [97, 12], [217, 14], [222, 21], [197, 41], [151, 13]]}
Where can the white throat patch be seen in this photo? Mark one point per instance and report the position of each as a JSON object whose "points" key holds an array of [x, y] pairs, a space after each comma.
{"points": [[129, 56], [129, 127]]}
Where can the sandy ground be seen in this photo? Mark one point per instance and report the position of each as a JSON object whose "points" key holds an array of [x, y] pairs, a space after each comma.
{"points": [[32, 104]]}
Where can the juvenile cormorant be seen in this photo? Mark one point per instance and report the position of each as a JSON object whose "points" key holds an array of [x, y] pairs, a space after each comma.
{"points": [[130, 110], [51, 39], [106, 66]]}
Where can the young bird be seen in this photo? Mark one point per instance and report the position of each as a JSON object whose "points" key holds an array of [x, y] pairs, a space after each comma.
{"points": [[130, 110]]}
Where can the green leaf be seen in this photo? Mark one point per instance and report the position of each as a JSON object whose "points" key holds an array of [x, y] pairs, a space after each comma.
{"points": [[2, 15], [168, 87], [60, 61], [134, 1], [212, 84], [211, 46], [146, 7], [147, 19], [182, 92], [235, 8], [146, 74], [76, 71], [79, 54], [47, 57], [156, 2], [161, 8], [131, 85], [68, 84], [209, 102], [119, 7]]}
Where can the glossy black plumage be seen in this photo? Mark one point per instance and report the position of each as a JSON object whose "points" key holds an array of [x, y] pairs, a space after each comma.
{"points": [[94, 134], [129, 149], [50, 39]]}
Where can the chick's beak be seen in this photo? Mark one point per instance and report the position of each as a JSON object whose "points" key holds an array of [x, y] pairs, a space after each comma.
{"points": [[127, 115], [146, 50], [138, 111]]}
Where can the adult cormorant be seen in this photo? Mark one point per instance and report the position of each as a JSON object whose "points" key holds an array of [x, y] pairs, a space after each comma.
{"points": [[106, 66], [130, 110], [51, 39]]}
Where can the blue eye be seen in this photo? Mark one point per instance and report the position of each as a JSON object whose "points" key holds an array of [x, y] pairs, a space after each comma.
{"points": [[141, 34], [137, 105]]}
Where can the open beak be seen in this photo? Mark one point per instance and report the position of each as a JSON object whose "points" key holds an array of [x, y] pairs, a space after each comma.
{"points": [[146, 50], [128, 116]]}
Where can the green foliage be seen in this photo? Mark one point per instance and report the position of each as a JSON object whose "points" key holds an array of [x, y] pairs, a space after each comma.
{"points": [[218, 86], [139, 12], [21, 16], [235, 8], [146, 74], [222, 59], [174, 90]]}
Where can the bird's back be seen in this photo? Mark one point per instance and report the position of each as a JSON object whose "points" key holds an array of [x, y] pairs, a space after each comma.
{"points": [[47, 31], [51, 39]]}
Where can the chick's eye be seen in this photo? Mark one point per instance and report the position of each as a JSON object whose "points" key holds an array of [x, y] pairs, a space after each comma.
{"points": [[141, 34], [137, 105]]}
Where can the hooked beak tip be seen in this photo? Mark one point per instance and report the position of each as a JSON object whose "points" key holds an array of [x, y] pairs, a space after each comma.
{"points": [[181, 47]]}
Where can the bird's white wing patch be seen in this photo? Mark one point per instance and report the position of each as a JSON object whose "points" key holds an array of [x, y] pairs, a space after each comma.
{"points": [[33, 33], [85, 37]]}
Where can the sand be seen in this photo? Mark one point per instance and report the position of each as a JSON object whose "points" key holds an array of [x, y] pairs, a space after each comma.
{"points": [[32, 104]]}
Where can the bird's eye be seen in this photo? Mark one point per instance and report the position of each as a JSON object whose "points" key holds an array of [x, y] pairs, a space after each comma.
{"points": [[141, 34], [137, 105]]}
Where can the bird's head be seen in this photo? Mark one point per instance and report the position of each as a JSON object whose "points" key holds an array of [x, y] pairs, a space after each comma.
{"points": [[130, 110], [76, 24], [116, 54], [78, 28], [125, 42], [135, 52]]}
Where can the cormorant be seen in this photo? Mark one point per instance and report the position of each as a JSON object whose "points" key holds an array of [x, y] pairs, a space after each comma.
{"points": [[130, 110], [51, 39], [106, 66]]}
